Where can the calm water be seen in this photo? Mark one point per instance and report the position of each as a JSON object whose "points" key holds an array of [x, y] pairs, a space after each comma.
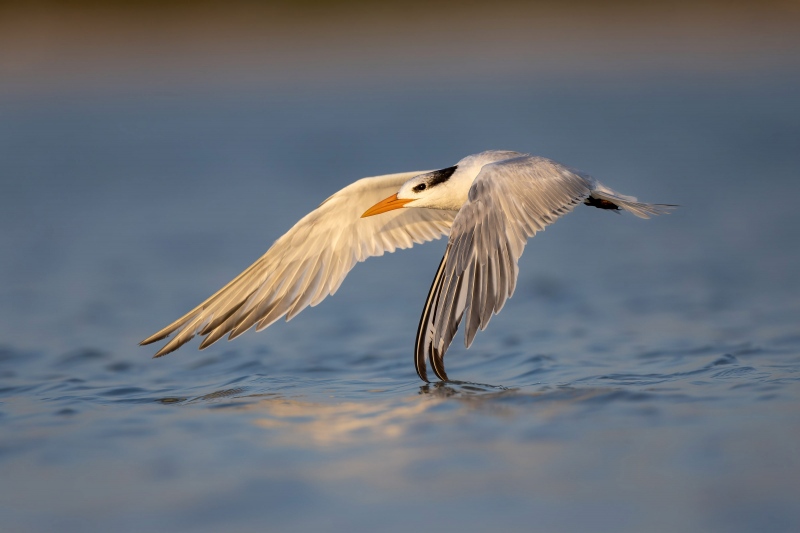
{"points": [[645, 376]]}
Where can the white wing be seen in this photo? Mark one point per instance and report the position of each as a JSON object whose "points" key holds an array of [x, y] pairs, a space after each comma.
{"points": [[309, 262], [509, 201]]}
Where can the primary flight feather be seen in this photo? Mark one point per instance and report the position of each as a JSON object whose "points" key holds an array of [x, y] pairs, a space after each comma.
{"points": [[490, 204]]}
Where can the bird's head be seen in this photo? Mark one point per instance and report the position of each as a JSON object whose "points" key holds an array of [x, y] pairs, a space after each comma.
{"points": [[435, 190], [447, 188]]}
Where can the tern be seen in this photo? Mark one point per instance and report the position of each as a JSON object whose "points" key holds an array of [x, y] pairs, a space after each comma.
{"points": [[489, 204]]}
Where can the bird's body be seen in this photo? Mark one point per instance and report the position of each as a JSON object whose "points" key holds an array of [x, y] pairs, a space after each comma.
{"points": [[489, 204]]}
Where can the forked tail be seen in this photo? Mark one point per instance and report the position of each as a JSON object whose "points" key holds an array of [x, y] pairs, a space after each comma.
{"points": [[604, 198]]}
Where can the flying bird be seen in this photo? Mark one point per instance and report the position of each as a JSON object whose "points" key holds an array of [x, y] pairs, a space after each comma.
{"points": [[489, 204]]}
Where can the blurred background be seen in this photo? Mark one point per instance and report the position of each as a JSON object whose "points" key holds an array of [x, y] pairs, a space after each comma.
{"points": [[643, 378], [69, 47]]}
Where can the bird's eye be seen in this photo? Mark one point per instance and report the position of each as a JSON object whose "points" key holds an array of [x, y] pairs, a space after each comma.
{"points": [[419, 188]]}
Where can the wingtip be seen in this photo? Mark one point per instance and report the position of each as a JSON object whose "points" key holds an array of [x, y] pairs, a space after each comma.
{"points": [[162, 352], [419, 363], [442, 375], [154, 338], [437, 363]]}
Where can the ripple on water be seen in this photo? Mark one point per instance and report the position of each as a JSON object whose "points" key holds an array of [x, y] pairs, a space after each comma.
{"points": [[123, 391], [734, 373], [82, 357], [223, 393]]}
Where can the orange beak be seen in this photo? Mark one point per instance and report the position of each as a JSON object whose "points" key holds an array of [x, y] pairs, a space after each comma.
{"points": [[389, 204]]}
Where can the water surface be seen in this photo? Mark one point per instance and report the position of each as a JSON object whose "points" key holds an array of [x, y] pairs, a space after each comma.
{"points": [[645, 376]]}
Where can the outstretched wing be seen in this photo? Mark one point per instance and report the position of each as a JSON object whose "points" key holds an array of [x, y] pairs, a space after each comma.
{"points": [[509, 201], [309, 262]]}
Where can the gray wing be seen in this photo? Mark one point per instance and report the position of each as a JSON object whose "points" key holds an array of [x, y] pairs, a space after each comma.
{"points": [[309, 262], [509, 201]]}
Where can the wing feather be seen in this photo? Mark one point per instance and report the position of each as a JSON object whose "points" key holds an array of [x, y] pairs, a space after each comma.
{"points": [[309, 262], [427, 321], [509, 201]]}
